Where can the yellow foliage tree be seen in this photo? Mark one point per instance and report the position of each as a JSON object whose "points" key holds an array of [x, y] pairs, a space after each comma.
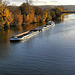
{"points": [[18, 19], [5, 16]]}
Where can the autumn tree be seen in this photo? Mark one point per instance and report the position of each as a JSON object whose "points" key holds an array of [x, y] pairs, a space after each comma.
{"points": [[49, 17], [5, 16], [18, 19], [56, 12], [17, 16], [27, 12], [25, 8], [42, 14], [52, 14]]}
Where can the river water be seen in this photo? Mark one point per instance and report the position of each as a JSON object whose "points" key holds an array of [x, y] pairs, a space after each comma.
{"points": [[48, 53]]}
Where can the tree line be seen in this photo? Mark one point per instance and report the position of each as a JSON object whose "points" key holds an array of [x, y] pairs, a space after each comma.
{"points": [[26, 14]]}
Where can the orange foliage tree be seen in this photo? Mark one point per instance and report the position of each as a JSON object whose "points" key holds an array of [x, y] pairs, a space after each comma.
{"points": [[18, 19], [17, 16], [14, 15], [5, 16], [27, 12], [56, 12]]}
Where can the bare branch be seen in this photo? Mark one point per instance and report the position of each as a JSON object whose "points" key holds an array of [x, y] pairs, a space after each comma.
{"points": [[5, 2]]}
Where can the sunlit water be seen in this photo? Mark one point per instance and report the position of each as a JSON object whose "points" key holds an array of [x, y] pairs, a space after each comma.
{"points": [[49, 53]]}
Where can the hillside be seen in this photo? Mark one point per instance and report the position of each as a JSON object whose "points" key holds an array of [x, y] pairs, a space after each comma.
{"points": [[69, 7], [47, 6]]}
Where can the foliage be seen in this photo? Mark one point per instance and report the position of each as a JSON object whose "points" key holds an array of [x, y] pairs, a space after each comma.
{"points": [[5, 16], [14, 15], [42, 14], [26, 9], [17, 19], [17, 16], [56, 12], [27, 12]]}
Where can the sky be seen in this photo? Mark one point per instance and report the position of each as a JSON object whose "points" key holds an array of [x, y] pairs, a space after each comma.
{"points": [[45, 2]]}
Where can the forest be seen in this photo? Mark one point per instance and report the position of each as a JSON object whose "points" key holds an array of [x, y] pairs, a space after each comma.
{"points": [[26, 14]]}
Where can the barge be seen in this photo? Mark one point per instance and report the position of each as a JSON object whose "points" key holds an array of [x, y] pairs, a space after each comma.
{"points": [[46, 27], [29, 34], [23, 36]]}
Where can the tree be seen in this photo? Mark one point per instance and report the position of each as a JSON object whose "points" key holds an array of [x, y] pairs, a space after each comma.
{"points": [[25, 8], [56, 12], [18, 19], [52, 14], [5, 16]]}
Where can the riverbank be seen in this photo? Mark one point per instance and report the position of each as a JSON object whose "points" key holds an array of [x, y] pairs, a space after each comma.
{"points": [[26, 14]]}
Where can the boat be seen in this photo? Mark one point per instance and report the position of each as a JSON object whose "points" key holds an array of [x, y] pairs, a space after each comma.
{"points": [[24, 35], [29, 34], [48, 25]]}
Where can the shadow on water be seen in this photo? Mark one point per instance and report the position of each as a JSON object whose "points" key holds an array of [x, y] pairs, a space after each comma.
{"points": [[57, 21]]}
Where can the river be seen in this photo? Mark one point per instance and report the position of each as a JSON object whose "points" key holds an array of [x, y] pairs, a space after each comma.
{"points": [[48, 53]]}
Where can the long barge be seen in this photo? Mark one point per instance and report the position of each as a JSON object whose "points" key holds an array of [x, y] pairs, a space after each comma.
{"points": [[29, 34], [22, 37]]}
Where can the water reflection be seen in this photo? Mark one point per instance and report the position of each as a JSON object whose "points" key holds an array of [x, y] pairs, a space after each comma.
{"points": [[69, 17], [5, 34]]}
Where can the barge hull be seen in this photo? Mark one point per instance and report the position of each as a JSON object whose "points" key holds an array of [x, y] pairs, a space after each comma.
{"points": [[24, 37]]}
